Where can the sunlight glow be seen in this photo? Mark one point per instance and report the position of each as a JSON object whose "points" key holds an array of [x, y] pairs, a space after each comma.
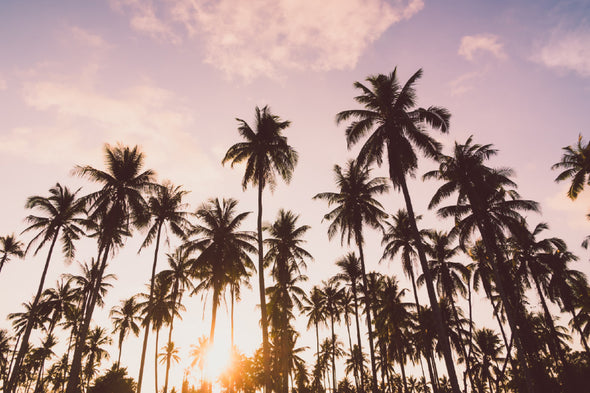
{"points": [[217, 361]]}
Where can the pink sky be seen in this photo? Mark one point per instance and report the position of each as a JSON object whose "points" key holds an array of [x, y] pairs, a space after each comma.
{"points": [[172, 76]]}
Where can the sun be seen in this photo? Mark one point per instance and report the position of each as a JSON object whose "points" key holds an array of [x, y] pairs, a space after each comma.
{"points": [[217, 361]]}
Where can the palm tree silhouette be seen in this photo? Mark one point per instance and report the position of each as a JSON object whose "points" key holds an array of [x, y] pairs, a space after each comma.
{"points": [[575, 163], [355, 206], [117, 208], [267, 154], [125, 318], [389, 110], [167, 211], [286, 257], [95, 352], [487, 202], [10, 247], [224, 248], [314, 309], [61, 218], [350, 272], [178, 277]]}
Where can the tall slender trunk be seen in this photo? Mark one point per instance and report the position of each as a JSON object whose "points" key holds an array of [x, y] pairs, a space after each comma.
{"points": [[156, 360], [168, 358], [120, 350], [262, 290], [13, 380], [355, 371], [74, 377], [358, 332], [403, 368], [14, 351], [333, 353], [427, 355], [438, 317], [147, 322], [368, 312]]}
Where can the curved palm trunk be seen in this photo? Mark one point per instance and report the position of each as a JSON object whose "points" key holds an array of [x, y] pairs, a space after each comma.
{"points": [[427, 355], [358, 332], [14, 352], [76, 367], [403, 369], [442, 330], [368, 312], [556, 347], [121, 335], [262, 290], [13, 380], [147, 323]]}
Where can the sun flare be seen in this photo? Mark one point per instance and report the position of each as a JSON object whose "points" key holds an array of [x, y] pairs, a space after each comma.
{"points": [[217, 361]]}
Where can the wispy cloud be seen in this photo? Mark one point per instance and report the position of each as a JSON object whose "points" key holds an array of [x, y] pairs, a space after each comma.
{"points": [[144, 18], [464, 83], [88, 39], [566, 50], [472, 44], [264, 37]]}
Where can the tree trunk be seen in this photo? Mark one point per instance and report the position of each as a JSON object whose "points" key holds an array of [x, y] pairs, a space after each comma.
{"points": [[438, 317], [358, 332], [147, 322], [333, 353], [168, 358], [368, 312], [74, 377], [13, 380], [262, 290], [156, 360]]}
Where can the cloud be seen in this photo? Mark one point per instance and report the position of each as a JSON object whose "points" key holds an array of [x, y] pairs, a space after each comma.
{"points": [[3, 84], [464, 83], [566, 50], [144, 19], [87, 39], [472, 44], [264, 37]]}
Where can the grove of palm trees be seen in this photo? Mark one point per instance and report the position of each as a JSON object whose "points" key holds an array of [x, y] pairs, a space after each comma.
{"points": [[474, 293]]}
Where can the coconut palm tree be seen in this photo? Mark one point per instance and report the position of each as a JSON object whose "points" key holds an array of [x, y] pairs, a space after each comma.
{"points": [[61, 219], [488, 352], [5, 345], [314, 310], [350, 273], [575, 163], [332, 292], [95, 352], [397, 126], [178, 275], [451, 278], [487, 202], [224, 249], [355, 205], [198, 354], [267, 154], [125, 319], [287, 258], [10, 247], [167, 211], [114, 210], [398, 239]]}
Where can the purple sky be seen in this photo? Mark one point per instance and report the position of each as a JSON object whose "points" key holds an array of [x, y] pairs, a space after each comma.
{"points": [[172, 76]]}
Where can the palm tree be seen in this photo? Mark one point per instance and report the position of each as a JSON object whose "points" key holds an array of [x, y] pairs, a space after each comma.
{"points": [[224, 249], [117, 208], [350, 272], [95, 352], [487, 202], [389, 110], [158, 311], [5, 345], [125, 318], [450, 277], [286, 257], [332, 294], [61, 218], [178, 275], [575, 163], [44, 352], [169, 353], [198, 354], [398, 238], [167, 211], [314, 309], [488, 350], [11, 247], [355, 206], [267, 154]]}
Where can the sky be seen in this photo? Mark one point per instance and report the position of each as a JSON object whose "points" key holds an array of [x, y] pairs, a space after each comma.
{"points": [[172, 76]]}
